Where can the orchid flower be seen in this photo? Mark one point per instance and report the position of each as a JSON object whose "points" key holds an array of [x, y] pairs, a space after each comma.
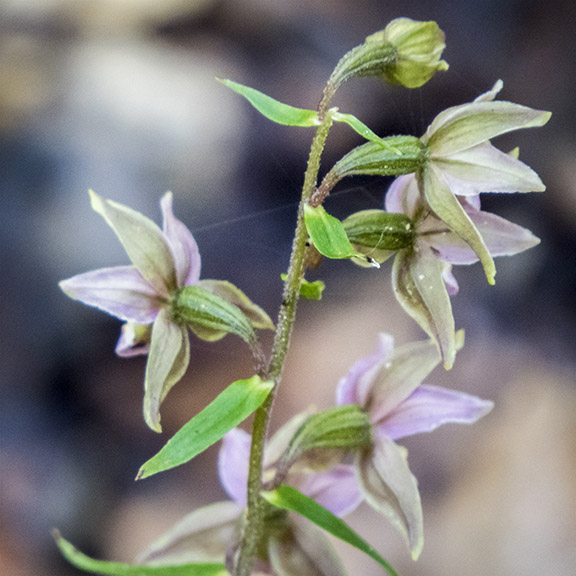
{"points": [[462, 161], [422, 276], [294, 546], [163, 262], [388, 385]]}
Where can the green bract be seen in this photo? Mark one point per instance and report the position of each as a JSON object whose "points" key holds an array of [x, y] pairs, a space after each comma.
{"points": [[288, 498], [309, 290], [228, 410], [272, 109], [328, 235], [83, 562]]}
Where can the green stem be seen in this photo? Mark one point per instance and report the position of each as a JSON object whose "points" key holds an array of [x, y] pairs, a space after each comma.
{"points": [[252, 532]]}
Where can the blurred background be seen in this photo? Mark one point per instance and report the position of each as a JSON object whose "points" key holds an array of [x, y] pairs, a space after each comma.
{"points": [[120, 96]]}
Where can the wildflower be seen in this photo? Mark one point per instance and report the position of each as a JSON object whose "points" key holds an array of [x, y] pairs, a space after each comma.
{"points": [[388, 385], [422, 273], [143, 295], [462, 161], [292, 546]]}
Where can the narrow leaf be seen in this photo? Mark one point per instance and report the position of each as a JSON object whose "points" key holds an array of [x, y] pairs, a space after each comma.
{"points": [[83, 562], [228, 410], [272, 109], [288, 498], [361, 128]]}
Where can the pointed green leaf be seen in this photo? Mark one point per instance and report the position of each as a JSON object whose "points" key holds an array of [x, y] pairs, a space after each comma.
{"points": [[361, 128], [272, 109], [228, 410], [328, 234], [288, 498], [83, 562]]}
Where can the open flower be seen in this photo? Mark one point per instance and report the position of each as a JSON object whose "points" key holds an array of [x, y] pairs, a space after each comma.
{"points": [[293, 545], [163, 263], [462, 161], [422, 276], [388, 385], [334, 487]]}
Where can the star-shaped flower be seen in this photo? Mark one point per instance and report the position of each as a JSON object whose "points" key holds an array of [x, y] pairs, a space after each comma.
{"points": [[422, 276], [462, 161], [293, 545], [163, 263], [388, 385]]}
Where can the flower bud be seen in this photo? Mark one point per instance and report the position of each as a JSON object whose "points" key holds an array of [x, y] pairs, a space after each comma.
{"points": [[376, 231], [418, 45], [406, 52]]}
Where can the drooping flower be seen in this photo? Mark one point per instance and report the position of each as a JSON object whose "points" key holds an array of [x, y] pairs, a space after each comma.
{"points": [[163, 263], [422, 276], [388, 385], [292, 546], [462, 161]]}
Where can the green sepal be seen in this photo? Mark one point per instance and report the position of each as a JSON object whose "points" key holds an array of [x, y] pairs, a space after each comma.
{"points": [[328, 235], [340, 428], [288, 498], [228, 410], [309, 290], [83, 562], [272, 109], [207, 313], [379, 234]]}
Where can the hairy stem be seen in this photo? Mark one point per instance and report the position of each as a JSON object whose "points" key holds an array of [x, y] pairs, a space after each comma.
{"points": [[255, 506]]}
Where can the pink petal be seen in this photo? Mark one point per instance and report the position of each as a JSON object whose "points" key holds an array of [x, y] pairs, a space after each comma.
{"points": [[355, 387], [430, 407], [403, 196], [336, 490], [184, 248], [484, 168], [405, 371], [501, 237], [462, 127], [134, 340], [233, 462], [120, 291]]}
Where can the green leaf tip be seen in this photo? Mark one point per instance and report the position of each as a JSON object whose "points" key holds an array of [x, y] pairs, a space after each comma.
{"points": [[83, 562], [229, 409], [273, 109], [288, 498], [309, 290]]}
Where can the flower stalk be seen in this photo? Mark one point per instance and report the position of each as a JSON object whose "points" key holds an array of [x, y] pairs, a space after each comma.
{"points": [[284, 326]]}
